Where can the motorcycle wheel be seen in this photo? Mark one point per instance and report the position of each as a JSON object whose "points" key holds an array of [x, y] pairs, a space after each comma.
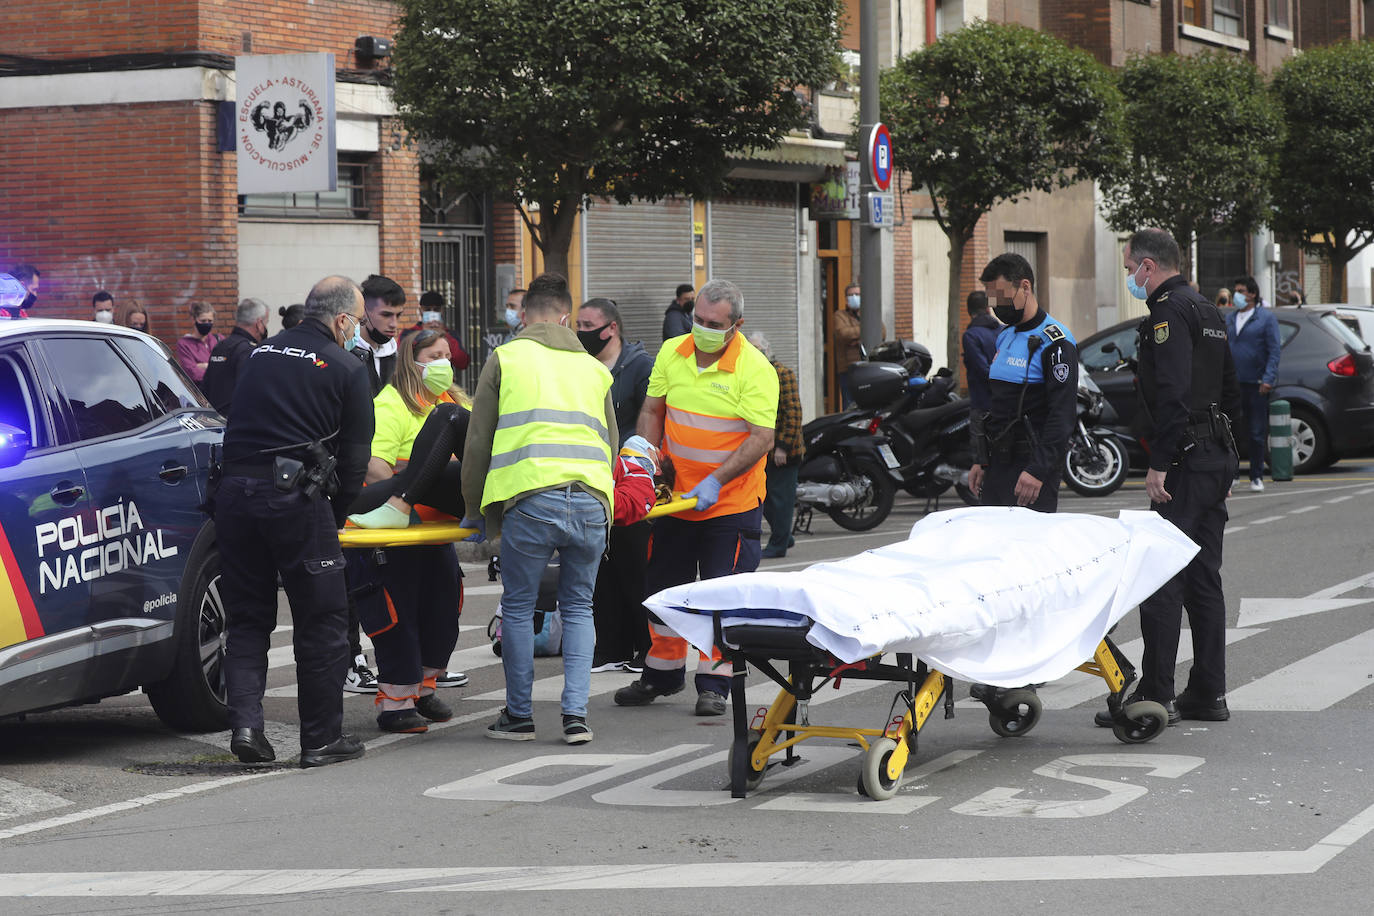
{"points": [[873, 511], [1095, 467]]}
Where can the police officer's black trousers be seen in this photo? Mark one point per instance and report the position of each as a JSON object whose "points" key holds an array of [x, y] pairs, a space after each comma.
{"points": [[999, 486], [1198, 485], [263, 532], [431, 477], [409, 606]]}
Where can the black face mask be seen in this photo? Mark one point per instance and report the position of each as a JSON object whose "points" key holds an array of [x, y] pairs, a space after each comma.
{"points": [[377, 336], [1008, 314], [29, 300], [592, 341], [204, 327]]}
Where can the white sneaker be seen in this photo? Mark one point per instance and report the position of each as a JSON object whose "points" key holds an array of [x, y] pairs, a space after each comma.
{"points": [[360, 678], [451, 679], [1257, 486]]}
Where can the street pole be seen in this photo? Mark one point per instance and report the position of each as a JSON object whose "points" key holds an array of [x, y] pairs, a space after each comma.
{"points": [[870, 236]]}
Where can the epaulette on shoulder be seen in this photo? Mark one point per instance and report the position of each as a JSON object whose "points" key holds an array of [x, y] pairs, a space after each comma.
{"points": [[1053, 332]]}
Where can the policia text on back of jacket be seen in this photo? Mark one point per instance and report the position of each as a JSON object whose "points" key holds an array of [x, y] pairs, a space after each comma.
{"points": [[1188, 394], [301, 404]]}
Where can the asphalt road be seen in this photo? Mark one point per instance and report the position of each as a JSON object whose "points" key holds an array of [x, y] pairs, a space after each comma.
{"points": [[103, 810]]}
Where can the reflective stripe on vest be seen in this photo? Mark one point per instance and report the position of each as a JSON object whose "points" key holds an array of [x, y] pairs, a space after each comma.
{"points": [[712, 439], [551, 429]]}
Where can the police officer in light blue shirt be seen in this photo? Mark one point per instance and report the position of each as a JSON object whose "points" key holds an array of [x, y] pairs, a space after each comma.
{"points": [[1019, 450]]}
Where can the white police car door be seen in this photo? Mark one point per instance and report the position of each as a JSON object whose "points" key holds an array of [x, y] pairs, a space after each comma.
{"points": [[43, 496], [141, 473]]}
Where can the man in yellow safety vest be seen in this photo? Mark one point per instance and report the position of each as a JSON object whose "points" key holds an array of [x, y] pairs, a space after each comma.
{"points": [[537, 464]]}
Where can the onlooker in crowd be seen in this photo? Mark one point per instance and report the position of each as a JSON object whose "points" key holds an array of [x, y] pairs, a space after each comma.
{"points": [[291, 315], [229, 355], [538, 469], [30, 278], [193, 350], [677, 320], [432, 317], [102, 307], [1187, 385], [267, 530], [1253, 333], [713, 404], [845, 335], [131, 314], [980, 347], [1033, 384], [509, 322], [622, 628], [376, 342], [1223, 298], [780, 503], [410, 604]]}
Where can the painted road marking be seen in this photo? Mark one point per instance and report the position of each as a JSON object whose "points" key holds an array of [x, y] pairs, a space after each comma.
{"points": [[1270, 518], [901, 803], [1254, 611], [19, 800], [1303, 509], [1312, 683], [1233, 529], [542, 878], [1009, 802], [1340, 499], [645, 790]]}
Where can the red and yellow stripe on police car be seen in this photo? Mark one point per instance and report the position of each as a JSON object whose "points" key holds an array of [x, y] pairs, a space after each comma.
{"points": [[18, 617]]}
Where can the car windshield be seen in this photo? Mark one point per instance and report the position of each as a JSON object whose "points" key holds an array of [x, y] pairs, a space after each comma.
{"points": [[1333, 323]]}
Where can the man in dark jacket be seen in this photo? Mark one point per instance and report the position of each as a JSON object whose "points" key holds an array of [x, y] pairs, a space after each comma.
{"points": [[677, 320], [622, 629], [1253, 332], [229, 355], [980, 347]]}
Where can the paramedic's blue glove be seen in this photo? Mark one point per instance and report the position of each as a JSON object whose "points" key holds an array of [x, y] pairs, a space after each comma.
{"points": [[706, 492], [480, 523]]}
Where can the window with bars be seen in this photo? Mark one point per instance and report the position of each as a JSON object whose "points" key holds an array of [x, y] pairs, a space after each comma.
{"points": [[347, 201]]}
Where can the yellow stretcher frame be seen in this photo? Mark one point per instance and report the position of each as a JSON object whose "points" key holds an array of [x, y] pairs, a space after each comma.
{"points": [[1011, 713], [446, 532]]}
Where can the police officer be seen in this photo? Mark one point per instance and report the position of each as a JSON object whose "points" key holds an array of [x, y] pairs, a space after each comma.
{"points": [[291, 467], [230, 354], [1020, 445], [1188, 393]]}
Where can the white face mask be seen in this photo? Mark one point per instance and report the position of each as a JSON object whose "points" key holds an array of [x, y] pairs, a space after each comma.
{"points": [[105, 316]]}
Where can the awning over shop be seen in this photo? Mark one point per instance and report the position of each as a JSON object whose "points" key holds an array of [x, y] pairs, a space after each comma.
{"points": [[796, 158]]}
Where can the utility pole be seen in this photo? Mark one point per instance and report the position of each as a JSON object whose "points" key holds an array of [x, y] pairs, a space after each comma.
{"points": [[870, 235]]}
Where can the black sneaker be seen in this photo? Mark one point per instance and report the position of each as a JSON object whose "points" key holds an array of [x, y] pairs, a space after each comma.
{"points": [[1191, 706], [639, 693], [575, 730], [636, 664], [452, 679], [511, 728], [600, 665], [1103, 719], [360, 678], [433, 708], [344, 747], [402, 722]]}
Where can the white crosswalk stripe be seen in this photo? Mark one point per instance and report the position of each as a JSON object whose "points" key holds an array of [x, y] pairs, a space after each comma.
{"points": [[1318, 681]]}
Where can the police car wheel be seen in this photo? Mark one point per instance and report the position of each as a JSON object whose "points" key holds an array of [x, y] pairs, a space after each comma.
{"points": [[192, 698]]}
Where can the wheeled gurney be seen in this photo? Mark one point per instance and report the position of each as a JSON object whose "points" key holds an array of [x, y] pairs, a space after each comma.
{"points": [[995, 596]]}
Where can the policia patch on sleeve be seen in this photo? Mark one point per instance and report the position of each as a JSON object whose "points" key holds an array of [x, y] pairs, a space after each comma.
{"points": [[1161, 332]]}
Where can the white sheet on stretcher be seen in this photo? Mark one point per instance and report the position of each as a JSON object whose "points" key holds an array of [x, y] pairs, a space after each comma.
{"points": [[1001, 596]]}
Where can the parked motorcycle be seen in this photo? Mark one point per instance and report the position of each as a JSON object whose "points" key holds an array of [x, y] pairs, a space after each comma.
{"points": [[846, 471], [1096, 463]]}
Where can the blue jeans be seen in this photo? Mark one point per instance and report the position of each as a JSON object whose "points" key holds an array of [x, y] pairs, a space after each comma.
{"points": [[573, 523], [1255, 405]]}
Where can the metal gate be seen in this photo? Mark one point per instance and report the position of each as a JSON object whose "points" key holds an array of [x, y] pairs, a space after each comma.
{"points": [[754, 244], [637, 255], [453, 262]]}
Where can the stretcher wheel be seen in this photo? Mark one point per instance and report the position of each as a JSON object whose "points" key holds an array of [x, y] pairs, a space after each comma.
{"points": [[1147, 720], [752, 777], [1014, 713], [875, 782]]}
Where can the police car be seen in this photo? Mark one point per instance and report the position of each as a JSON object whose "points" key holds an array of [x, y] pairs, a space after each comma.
{"points": [[108, 569]]}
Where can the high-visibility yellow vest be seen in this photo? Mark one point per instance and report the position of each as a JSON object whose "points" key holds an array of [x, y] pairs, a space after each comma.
{"points": [[551, 428]]}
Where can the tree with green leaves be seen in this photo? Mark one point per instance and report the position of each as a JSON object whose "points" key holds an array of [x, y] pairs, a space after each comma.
{"points": [[549, 103], [1204, 131], [991, 112], [1324, 186]]}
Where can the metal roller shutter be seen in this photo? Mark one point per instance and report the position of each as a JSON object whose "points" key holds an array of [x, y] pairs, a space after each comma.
{"points": [[637, 255], [754, 245]]}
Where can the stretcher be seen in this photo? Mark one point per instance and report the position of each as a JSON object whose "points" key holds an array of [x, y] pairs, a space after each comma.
{"points": [[1000, 597]]}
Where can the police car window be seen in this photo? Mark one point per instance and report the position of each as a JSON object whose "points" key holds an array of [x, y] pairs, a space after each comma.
{"points": [[1097, 358], [18, 405], [171, 390], [104, 394]]}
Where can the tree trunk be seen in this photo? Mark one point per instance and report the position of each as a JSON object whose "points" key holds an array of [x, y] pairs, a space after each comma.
{"points": [[557, 219], [956, 300], [1340, 257]]}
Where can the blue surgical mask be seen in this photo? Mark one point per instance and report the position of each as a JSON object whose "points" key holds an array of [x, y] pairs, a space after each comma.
{"points": [[512, 317], [356, 340], [852, 301], [1239, 300], [1134, 288]]}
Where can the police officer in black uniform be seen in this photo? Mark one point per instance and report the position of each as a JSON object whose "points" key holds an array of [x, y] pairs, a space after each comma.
{"points": [[1188, 393], [230, 354], [291, 467], [1019, 446]]}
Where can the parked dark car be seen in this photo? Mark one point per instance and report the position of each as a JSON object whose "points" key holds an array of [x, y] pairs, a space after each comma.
{"points": [[108, 567], [1326, 373]]}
